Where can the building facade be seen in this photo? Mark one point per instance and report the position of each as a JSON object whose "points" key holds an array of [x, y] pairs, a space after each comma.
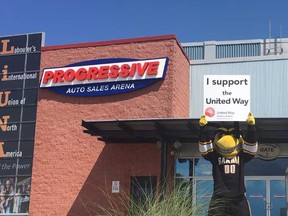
{"points": [[266, 62], [73, 172], [106, 123]]}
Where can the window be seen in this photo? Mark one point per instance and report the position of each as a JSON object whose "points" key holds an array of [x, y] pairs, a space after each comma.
{"points": [[259, 167], [143, 187]]}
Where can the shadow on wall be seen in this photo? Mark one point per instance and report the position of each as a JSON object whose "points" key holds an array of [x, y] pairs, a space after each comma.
{"points": [[117, 162]]}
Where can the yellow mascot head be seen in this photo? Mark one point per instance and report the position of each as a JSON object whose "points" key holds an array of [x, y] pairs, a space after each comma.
{"points": [[228, 141]]}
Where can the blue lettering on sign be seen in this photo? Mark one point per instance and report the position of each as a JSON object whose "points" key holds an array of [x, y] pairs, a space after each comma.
{"points": [[101, 89]]}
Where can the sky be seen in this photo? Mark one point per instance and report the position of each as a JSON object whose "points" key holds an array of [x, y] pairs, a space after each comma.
{"points": [[81, 21]]}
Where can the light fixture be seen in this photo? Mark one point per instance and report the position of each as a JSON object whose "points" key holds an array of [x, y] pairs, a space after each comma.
{"points": [[177, 145]]}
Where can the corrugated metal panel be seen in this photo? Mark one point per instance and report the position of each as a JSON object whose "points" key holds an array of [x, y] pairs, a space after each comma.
{"points": [[194, 52], [238, 50], [269, 85]]}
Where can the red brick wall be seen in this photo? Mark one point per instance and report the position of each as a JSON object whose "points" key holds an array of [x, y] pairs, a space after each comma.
{"points": [[181, 84], [70, 167]]}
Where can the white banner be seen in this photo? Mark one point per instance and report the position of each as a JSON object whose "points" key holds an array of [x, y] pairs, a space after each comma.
{"points": [[226, 97]]}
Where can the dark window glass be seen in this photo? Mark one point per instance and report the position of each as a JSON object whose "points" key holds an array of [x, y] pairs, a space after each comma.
{"points": [[35, 42], [8, 166], [259, 167], [30, 96], [10, 147], [29, 113], [202, 167], [184, 167], [28, 131], [16, 41], [25, 166], [33, 62], [31, 79], [142, 187], [14, 114], [16, 63], [27, 147], [9, 131]]}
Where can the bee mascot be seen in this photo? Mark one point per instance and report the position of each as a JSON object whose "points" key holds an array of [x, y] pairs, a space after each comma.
{"points": [[228, 152]]}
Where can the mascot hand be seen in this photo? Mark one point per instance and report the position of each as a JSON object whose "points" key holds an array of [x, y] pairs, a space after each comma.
{"points": [[203, 121], [250, 120]]}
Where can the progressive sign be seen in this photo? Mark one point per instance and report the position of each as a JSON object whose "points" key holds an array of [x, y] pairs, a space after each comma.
{"points": [[104, 77]]}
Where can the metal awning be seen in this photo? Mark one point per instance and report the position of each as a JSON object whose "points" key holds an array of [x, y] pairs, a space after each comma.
{"points": [[185, 130], [165, 130]]}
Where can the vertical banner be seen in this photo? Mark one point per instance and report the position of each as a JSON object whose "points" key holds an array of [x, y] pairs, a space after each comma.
{"points": [[19, 78], [226, 97]]}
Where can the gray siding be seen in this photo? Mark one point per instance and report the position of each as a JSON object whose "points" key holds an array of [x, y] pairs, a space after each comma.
{"points": [[238, 50], [194, 52], [269, 85]]}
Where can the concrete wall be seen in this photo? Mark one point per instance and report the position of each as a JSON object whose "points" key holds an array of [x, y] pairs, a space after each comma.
{"points": [[73, 171]]}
